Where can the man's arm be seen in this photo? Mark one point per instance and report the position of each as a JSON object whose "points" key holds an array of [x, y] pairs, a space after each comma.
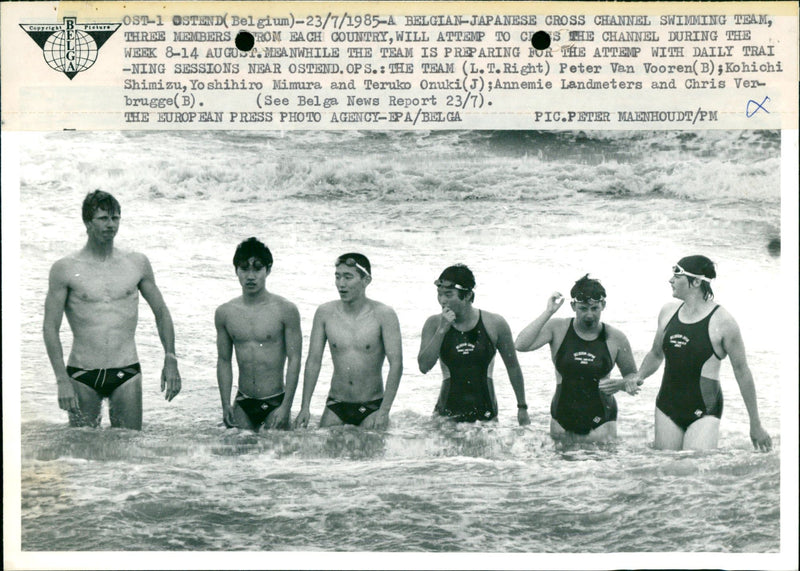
{"points": [[393, 347], [505, 345], [316, 347], [224, 366], [431, 339], [535, 334], [733, 345], [54, 305], [170, 378], [293, 341]]}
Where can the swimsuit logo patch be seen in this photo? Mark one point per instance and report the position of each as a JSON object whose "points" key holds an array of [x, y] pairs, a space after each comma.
{"points": [[596, 419], [120, 374], [678, 340], [264, 406], [487, 414], [583, 357], [362, 409], [465, 348], [698, 413]]}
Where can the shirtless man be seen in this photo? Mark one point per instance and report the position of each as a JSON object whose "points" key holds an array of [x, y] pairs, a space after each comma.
{"points": [[98, 289], [265, 330], [361, 333], [692, 338], [584, 351], [464, 340]]}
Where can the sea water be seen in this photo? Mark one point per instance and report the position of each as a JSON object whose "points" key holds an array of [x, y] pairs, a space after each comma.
{"points": [[530, 213]]}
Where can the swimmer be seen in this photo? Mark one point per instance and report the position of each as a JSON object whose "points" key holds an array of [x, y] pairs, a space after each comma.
{"points": [[362, 334], [98, 289], [693, 337], [464, 339], [264, 328], [584, 351]]}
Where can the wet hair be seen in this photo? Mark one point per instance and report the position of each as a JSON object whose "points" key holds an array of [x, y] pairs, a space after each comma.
{"points": [[588, 288], [359, 259], [701, 266], [252, 248], [461, 275], [97, 200]]}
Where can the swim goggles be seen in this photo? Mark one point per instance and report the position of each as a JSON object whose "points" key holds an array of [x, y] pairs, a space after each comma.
{"points": [[583, 299], [353, 264], [449, 284], [679, 271]]}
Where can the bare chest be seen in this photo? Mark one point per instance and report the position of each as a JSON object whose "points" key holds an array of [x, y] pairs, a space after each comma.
{"points": [[103, 282], [362, 334], [263, 326]]}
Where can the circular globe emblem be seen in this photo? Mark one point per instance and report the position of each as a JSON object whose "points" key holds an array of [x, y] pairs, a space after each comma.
{"points": [[70, 55]]}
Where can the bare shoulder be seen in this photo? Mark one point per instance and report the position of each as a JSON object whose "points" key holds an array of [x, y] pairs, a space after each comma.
{"points": [[130, 255], [283, 303], [615, 334], [326, 310], [383, 311], [668, 310], [287, 308], [492, 318], [223, 311], [723, 321], [494, 322], [230, 304], [137, 260], [62, 267]]}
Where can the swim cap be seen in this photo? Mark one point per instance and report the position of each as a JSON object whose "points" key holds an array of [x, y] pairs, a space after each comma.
{"points": [[458, 276], [698, 267]]}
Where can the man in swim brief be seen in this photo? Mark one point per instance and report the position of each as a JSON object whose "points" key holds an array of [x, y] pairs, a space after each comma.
{"points": [[264, 330], [98, 289], [362, 333]]}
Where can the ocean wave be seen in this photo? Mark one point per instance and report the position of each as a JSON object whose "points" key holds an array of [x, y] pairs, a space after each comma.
{"points": [[412, 166]]}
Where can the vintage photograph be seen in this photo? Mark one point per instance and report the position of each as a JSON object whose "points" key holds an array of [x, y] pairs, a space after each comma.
{"points": [[464, 312]]}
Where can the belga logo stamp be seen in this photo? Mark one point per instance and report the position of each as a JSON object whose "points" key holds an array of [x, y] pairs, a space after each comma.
{"points": [[70, 47]]}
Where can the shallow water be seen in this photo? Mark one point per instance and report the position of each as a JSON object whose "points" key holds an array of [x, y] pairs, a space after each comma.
{"points": [[530, 213]]}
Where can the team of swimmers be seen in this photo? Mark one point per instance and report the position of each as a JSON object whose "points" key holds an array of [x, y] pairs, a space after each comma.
{"points": [[98, 290]]}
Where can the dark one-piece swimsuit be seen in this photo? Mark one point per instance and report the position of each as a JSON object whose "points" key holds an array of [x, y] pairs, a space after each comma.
{"points": [[257, 409], [467, 394], [578, 405], [104, 381], [686, 395]]}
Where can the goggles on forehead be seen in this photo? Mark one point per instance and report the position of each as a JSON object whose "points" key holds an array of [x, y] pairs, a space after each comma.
{"points": [[445, 283], [255, 264], [353, 264], [583, 299], [679, 271]]}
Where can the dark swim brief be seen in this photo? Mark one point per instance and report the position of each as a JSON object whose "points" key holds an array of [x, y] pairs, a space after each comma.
{"points": [[353, 412], [257, 410], [104, 381]]}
